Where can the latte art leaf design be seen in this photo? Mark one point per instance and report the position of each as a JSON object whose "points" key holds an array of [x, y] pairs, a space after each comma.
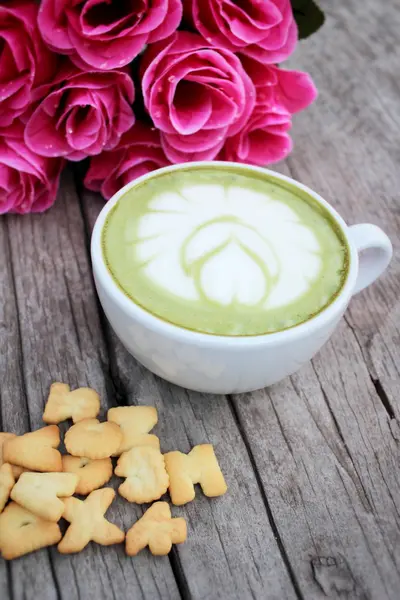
{"points": [[229, 262], [230, 250]]}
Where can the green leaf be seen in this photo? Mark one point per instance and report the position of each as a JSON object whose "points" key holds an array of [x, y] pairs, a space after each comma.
{"points": [[309, 17]]}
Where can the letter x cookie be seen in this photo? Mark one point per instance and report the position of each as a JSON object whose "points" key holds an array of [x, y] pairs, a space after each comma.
{"points": [[88, 522], [157, 530]]}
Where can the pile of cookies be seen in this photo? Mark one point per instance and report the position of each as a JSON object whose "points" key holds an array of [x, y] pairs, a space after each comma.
{"points": [[40, 483]]}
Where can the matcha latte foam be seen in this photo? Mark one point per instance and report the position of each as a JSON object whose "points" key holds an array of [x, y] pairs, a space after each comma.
{"points": [[224, 251]]}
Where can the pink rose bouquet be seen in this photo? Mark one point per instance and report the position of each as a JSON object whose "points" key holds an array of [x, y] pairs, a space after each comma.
{"points": [[136, 85]]}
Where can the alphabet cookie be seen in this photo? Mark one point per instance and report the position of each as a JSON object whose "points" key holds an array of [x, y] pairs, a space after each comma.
{"points": [[6, 484], [199, 466], [157, 530], [92, 474], [146, 477], [3, 438], [88, 522], [22, 532], [83, 403], [36, 450], [93, 439], [40, 493], [135, 423]]}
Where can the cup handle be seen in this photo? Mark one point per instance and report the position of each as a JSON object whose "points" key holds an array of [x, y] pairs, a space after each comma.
{"points": [[374, 253]]}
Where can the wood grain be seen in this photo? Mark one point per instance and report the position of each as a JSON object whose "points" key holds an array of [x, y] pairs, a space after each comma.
{"points": [[326, 441], [312, 464], [346, 147], [14, 577], [51, 331]]}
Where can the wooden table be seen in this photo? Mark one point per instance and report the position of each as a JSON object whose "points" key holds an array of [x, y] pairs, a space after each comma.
{"points": [[313, 509]]}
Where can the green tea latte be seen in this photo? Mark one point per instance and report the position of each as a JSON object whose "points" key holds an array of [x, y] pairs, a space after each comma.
{"points": [[224, 251]]}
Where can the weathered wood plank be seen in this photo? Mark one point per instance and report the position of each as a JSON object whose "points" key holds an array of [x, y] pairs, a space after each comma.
{"points": [[231, 551], [347, 148], [329, 467], [326, 441], [15, 417], [51, 330]]}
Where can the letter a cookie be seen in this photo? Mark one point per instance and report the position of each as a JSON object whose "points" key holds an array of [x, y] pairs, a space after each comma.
{"points": [[41, 492], [22, 532], [92, 474], [4, 437], [135, 423], [157, 530], [35, 450], [88, 522], [199, 466], [6, 484], [62, 404], [146, 477]]}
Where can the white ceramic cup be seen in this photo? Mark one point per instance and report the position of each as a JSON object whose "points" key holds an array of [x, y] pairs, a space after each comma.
{"points": [[227, 365]]}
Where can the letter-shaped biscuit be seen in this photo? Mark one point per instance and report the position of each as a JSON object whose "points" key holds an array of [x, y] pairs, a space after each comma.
{"points": [[92, 474], [199, 466], [3, 438], [146, 477], [62, 404], [93, 439], [88, 522], [157, 530], [40, 493], [6, 484], [22, 532], [35, 450], [135, 423]]}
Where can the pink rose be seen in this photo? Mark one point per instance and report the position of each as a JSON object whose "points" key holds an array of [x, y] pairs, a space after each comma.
{"points": [[293, 90], [82, 114], [264, 29], [106, 34], [25, 61], [279, 94], [28, 182], [263, 140], [138, 152], [196, 95]]}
